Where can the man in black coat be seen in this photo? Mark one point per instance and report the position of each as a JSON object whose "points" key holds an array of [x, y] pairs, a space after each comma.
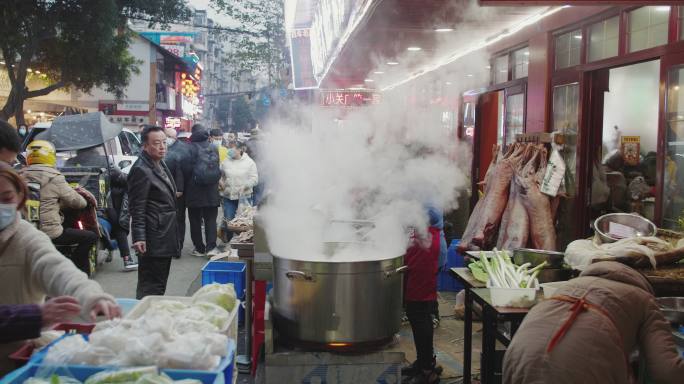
{"points": [[152, 206], [178, 159], [202, 199]]}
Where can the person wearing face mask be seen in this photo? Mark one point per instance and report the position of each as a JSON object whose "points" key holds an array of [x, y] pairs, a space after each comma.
{"points": [[10, 144], [239, 176], [176, 159], [31, 268], [217, 141]]}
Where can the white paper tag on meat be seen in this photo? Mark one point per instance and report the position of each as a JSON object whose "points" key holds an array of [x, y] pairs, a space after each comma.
{"points": [[555, 173], [621, 231]]}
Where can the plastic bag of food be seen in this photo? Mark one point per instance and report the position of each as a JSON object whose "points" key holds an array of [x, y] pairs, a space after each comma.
{"points": [[76, 350], [188, 353], [185, 325], [46, 337], [130, 375], [142, 350], [222, 295], [216, 344], [214, 314], [52, 379], [114, 339], [169, 307], [154, 378]]}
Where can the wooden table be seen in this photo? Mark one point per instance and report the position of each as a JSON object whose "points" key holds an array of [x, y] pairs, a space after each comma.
{"points": [[492, 317]]}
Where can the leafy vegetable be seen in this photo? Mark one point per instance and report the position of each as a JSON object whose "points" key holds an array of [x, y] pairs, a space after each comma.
{"points": [[502, 273], [478, 271], [120, 376], [222, 295]]}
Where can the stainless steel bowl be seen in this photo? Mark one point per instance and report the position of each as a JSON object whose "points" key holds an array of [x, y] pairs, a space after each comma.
{"points": [[641, 225], [672, 308], [553, 259]]}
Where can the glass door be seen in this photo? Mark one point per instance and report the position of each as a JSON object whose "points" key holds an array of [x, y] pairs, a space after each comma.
{"points": [[515, 113], [566, 121], [672, 160]]}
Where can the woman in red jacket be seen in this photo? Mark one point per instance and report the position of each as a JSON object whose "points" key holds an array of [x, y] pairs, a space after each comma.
{"points": [[420, 295]]}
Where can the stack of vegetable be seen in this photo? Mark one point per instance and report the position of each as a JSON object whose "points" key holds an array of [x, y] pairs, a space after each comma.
{"points": [[499, 271], [170, 334], [143, 375]]}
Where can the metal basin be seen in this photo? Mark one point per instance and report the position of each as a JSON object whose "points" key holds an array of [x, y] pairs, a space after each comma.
{"points": [[672, 308], [337, 303], [538, 256], [641, 225]]}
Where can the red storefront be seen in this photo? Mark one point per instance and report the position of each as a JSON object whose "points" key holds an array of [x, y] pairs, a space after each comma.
{"points": [[581, 71]]}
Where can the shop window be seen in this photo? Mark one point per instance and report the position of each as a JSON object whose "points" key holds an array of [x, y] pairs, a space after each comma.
{"points": [[673, 186], [515, 113], [521, 61], [565, 121], [603, 39], [681, 21], [500, 69], [568, 49], [648, 27]]}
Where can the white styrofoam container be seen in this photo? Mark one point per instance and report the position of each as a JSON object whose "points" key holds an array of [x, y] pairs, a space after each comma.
{"points": [[551, 288], [231, 330], [513, 297]]}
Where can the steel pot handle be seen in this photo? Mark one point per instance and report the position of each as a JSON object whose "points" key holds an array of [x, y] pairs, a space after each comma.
{"points": [[401, 269], [298, 275]]}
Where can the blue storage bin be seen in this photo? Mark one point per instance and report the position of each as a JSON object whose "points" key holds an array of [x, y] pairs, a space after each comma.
{"points": [[126, 305], [223, 374], [225, 272], [445, 282]]}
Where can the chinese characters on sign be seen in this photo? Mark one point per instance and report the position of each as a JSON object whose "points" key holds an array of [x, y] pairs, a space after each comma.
{"points": [[348, 98]]}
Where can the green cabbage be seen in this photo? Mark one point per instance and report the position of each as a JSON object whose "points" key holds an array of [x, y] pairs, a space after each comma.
{"points": [[120, 376], [222, 295]]}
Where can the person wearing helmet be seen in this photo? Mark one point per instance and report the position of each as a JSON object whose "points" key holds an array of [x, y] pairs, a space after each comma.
{"points": [[56, 194]]}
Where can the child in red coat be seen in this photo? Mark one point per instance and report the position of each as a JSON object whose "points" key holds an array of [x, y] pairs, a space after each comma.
{"points": [[420, 295]]}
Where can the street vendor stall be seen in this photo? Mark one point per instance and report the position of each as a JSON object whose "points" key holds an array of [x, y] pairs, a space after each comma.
{"points": [[627, 238], [162, 339]]}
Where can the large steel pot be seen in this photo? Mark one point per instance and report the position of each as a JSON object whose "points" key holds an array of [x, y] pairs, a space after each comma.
{"points": [[337, 303]]}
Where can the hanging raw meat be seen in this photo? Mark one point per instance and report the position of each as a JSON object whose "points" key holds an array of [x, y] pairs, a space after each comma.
{"points": [[515, 226], [496, 197], [538, 206], [482, 229], [474, 220]]}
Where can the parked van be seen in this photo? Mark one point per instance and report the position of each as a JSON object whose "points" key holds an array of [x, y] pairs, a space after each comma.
{"points": [[123, 149]]}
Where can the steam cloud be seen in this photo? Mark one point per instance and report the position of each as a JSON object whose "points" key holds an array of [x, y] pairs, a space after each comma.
{"points": [[383, 163]]}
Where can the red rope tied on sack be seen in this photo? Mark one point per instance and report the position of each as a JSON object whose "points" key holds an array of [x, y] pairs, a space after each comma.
{"points": [[578, 306]]}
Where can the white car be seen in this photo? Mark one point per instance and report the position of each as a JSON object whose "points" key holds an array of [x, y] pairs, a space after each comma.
{"points": [[123, 150]]}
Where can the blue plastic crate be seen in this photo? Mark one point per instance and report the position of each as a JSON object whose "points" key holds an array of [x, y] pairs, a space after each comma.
{"points": [[445, 282], [225, 272], [126, 305], [222, 374]]}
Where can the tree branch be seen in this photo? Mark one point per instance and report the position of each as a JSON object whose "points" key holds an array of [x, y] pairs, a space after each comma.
{"points": [[9, 62], [46, 90]]}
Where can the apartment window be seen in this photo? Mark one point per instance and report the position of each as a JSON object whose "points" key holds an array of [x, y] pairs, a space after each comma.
{"points": [[648, 27], [500, 69], [603, 39], [681, 21], [521, 61], [568, 49]]}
